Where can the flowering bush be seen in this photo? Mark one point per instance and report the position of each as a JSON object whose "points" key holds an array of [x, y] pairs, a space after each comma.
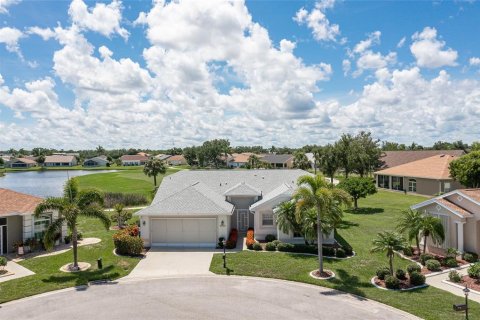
{"points": [[250, 238], [232, 239], [127, 241]]}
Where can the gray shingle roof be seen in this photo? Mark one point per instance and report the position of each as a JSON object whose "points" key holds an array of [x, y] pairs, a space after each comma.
{"points": [[242, 189], [285, 190], [277, 158]]}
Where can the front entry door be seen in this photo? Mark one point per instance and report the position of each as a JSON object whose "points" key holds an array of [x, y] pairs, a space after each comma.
{"points": [[242, 220]]}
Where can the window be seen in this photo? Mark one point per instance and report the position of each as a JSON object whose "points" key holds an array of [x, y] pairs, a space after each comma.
{"points": [[40, 225], [3, 221], [397, 183], [267, 219], [383, 182], [412, 185], [297, 235], [446, 187]]}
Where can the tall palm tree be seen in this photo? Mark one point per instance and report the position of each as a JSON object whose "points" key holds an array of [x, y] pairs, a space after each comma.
{"points": [[154, 167], [410, 224], [431, 227], [388, 242], [253, 161], [315, 193], [72, 205]]}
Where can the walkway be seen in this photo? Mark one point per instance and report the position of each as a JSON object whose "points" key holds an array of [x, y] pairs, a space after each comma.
{"points": [[439, 282], [200, 297], [17, 270]]}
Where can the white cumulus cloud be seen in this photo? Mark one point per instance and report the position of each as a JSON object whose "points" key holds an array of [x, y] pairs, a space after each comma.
{"points": [[430, 52], [4, 4], [317, 21], [9, 37]]}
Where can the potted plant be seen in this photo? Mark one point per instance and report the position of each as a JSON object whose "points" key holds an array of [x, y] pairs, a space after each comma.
{"points": [[33, 244], [18, 246]]}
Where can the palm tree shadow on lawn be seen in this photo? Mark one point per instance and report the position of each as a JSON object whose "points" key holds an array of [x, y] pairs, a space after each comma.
{"points": [[347, 283], [83, 277], [365, 210]]}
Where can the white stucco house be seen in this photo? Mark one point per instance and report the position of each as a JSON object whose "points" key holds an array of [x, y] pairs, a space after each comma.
{"points": [[196, 208]]}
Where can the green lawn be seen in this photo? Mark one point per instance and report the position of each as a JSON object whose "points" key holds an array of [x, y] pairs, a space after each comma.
{"points": [[48, 277], [379, 212]]}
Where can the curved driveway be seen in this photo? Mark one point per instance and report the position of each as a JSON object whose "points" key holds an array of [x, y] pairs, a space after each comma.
{"points": [[202, 297]]}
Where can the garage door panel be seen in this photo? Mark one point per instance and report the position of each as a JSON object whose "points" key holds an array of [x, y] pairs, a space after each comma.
{"points": [[184, 231]]}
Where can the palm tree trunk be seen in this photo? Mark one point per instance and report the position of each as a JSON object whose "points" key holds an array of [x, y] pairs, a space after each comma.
{"points": [[417, 242], [355, 201], [75, 248], [391, 263], [331, 179], [319, 242], [425, 244], [155, 180]]}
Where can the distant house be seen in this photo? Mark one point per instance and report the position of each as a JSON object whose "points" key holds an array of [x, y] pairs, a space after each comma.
{"points": [[176, 160], [21, 163], [278, 160], [75, 154], [100, 161], [239, 160], [429, 176], [133, 160], [162, 157], [143, 154], [17, 220], [390, 159], [60, 161]]}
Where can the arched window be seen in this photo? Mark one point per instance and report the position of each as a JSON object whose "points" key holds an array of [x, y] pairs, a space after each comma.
{"points": [[412, 185]]}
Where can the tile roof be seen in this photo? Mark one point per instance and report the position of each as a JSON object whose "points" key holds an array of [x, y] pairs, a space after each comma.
{"points": [[24, 160], [463, 212], [391, 159], [59, 158], [240, 157], [177, 157], [277, 158], [133, 157], [472, 193], [435, 167], [12, 202]]}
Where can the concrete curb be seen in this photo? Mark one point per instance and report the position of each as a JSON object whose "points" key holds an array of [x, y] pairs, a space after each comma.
{"points": [[303, 254], [372, 281], [459, 286]]}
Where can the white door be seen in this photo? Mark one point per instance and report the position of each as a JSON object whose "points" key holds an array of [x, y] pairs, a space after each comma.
{"points": [[197, 232]]}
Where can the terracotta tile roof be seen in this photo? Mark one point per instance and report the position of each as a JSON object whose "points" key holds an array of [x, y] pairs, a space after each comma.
{"points": [[24, 160], [435, 167], [15, 202], [177, 157], [59, 158], [454, 207], [240, 157], [391, 159], [472, 193], [133, 157]]}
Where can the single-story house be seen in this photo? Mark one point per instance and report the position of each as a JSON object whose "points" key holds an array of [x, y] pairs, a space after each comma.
{"points": [[17, 221], [143, 154], [390, 159], [21, 163], [239, 160], [162, 156], [429, 176], [459, 211], [60, 161], [196, 208], [176, 160], [100, 161], [133, 160], [278, 160]]}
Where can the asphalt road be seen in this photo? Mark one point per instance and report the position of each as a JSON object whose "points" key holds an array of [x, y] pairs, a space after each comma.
{"points": [[202, 297]]}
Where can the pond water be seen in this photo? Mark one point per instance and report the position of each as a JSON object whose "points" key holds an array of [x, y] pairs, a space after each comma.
{"points": [[42, 183]]}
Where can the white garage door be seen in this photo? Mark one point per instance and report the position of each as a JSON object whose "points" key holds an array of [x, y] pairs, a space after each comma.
{"points": [[198, 232]]}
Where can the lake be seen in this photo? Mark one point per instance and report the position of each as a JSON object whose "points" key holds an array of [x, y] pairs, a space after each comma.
{"points": [[42, 183]]}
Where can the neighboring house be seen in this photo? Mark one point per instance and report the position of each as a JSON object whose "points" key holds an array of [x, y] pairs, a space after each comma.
{"points": [[22, 163], [239, 160], [278, 160], [75, 154], [162, 157], [459, 212], [429, 176], [100, 161], [143, 154], [176, 160], [60, 161], [17, 221], [390, 159], [133, 160], [196, 208], [311, 159]]}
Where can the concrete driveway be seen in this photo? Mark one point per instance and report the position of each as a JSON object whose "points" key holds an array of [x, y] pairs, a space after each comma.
{"points": [[200, 297], [162, 262]]}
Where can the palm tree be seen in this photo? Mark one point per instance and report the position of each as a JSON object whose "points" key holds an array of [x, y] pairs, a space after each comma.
{"points": [[431, 227], [153, 167], [253, 161], [323, 199], [388, 242], [286, 219], [410, 223], [300, 161], [120, 215], [72, 205]]}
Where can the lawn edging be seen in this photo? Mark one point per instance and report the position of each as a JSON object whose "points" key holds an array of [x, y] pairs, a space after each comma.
{"points": [[372, 281], [304, 254], [446, 281]]}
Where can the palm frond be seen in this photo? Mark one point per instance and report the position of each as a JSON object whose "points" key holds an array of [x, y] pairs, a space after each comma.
{"points": [[48, 205], [70, 190], [95, 211], [89, 197], [52, 230]]}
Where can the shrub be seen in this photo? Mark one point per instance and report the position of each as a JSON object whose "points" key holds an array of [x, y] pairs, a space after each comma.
{"points": [[348, 250], [270, 238], [257, 246], [127, 244], [454, 276], [470, 257], [400, 274], [285, 247], [408, 251], [340, 253], [433, 265], [474, 271], [328, 251], [452, 253], [450, 262], [250, 239], [232, 239], [276, 242], [230, 244], [417, 279], [270, 246], [110, 199], [413, 268], [382, 273], [220, 242], [425, 256], [3, 262], [392, 283]]}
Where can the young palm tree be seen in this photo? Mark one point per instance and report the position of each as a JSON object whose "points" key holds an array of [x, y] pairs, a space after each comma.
{"points": [[410, 223], [120, 215], [315, 193], [153, 168], [286, 219], [72, 205], [388, 242], [431, 227], [253, 161]]}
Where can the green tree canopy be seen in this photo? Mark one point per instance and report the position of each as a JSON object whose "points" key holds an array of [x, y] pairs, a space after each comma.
{"points": [[358, 187], [466, 169], [300, 161], [388, 242], [154, 167]]}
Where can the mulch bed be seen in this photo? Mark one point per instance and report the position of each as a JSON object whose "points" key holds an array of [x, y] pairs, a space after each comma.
{"points": [[425, 271], [324, 274], [471, 283], [404, 284]]}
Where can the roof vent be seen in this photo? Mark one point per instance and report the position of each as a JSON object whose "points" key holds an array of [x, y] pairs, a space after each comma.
{"points": [[220, 184]]}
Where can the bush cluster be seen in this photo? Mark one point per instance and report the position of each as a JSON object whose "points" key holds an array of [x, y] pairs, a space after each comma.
{"points": [[450, 262], [408, 251], [257, 246], [285, 247], [128, 242], [110, 199], [470, 257], [270, 246], [400, 274], [413, 268], [250, 238], [424, 257], [232, 239], [392, 283], [382, 273], [474, 271], [270, 238], [340, 253], [433, 265], [417, 279], [3, 262], [454, 276]]}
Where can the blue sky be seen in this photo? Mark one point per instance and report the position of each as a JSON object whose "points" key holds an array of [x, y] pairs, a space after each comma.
{"points": [[149, 74]]}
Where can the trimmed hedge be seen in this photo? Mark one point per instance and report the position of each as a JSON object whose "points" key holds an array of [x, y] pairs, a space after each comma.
{"points": [[417, 279], [408, 251], [470, 257], [340, 253], [433, 265], [3, 262], [424, 257], [400, 274], [382, 273], [285, 247], [474, 271], [270, 238], [270, 246], [392, 283], [257, 246], [127, 241], [450, 262], [413, 268]]}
